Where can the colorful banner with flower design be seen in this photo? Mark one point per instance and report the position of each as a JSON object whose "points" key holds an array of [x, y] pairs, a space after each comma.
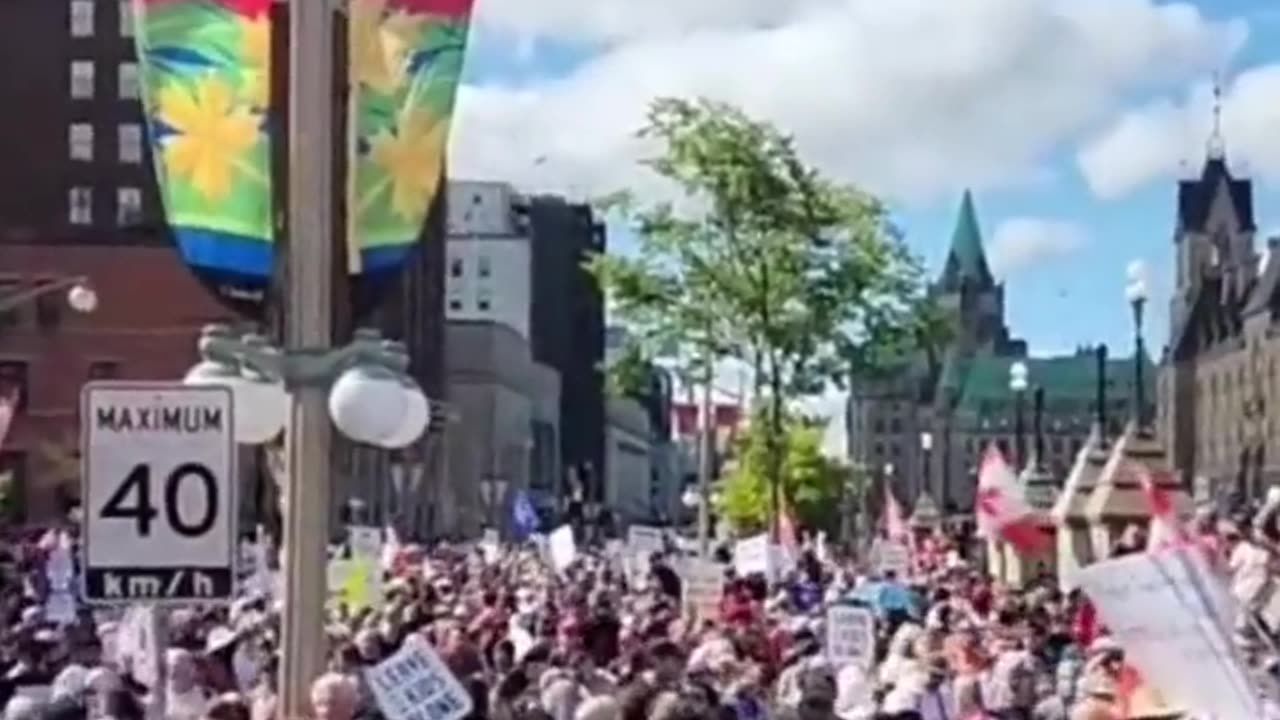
{"points": [[205, 82], [406, 62], [206, 85]]}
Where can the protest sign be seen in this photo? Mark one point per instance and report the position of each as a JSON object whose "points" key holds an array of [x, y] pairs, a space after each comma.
{"points": [[851, 637], [414, 684], [562, 547], [703, 588], [356, 582], [1170, 614], [752, 555], [891, 556], [645, 540]]}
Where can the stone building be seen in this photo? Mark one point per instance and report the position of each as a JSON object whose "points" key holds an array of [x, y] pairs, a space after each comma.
{"points": [[926, 423], [1218, 378]]}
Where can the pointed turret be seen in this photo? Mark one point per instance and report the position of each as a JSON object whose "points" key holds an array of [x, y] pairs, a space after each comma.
{"points": [[966, 262]]}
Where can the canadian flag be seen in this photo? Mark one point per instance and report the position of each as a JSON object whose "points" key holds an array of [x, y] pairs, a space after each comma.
{"points": [[895, 527], [1002, 509], [1167, 530]]}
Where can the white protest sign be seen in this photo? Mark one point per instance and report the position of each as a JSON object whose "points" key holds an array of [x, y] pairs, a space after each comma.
{"points": [[137, 648], [366, 542], [645, 540], [414, 684], [491, 546], [851, 637], [752, 555], [1171, 617], [703, 588], [892, 556], [562, 547]]}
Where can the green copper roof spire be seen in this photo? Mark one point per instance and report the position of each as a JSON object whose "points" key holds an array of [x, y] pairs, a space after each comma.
{"points": [[966, 260]]}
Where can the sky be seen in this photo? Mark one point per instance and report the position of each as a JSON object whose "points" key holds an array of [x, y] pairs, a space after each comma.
{"points": [[1071, 120]]}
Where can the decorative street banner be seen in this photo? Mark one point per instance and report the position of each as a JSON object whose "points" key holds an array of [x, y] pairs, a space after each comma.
{"points": [[206, 81], [406, 61]]}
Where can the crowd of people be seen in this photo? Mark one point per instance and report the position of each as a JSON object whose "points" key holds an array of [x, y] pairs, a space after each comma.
{"points": [[607, 640]]}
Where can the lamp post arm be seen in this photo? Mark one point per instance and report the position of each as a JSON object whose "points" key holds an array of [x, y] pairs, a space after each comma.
{"points": [[36, 292], [305, 367]]}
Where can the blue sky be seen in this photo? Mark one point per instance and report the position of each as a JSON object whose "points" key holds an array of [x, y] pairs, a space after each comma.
{"points": [[1070, 119]]}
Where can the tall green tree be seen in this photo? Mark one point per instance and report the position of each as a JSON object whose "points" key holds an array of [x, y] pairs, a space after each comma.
{"points": [[812, 485], [764, 259]]}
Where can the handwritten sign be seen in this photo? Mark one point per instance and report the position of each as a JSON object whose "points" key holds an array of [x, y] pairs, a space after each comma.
{"points": [[645, 540], [414, 684], [562, 547], [851, 637], [892, 556], [752, 555], [1170, 614], [703, 588]]}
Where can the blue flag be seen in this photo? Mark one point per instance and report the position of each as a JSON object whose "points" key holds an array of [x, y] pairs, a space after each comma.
{"points": [[524, 516]]}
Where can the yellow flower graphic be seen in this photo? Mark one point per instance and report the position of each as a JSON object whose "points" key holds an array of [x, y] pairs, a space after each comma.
{"points": [[209, 132], [412, 160], [380, 44], [255, 44]]}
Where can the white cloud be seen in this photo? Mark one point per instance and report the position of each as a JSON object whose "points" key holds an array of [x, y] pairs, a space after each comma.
{"points": [[912, 98], [1165, 138], [1024, 242]]}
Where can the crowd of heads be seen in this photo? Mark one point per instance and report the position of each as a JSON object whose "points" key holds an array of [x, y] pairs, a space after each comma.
{"points": [[608, 638]]}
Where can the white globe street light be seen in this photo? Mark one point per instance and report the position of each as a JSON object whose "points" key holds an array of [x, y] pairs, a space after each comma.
{"points": [[82, 298], [260, 405], [1018, 377], [368, 404], [417, 415]]}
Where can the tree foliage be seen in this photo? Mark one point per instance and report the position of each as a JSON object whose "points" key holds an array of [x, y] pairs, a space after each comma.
{"points": [[764, 259], [811, 484]]}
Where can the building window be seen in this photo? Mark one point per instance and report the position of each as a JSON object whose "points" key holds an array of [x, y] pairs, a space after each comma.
{"points": [[484, 268], [13, 379], [80, 142], [104, 370], [129, 138], [126, 18], [80, 210], [484, 301], [8, 286], [82, 18], [455, 267], [128, 206], [82, 79], [127, 80], [455, 305], [13, 478]]}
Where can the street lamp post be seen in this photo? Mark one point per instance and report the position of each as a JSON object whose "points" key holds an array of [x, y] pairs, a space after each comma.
{"points": [[363, 387], [1136, 293], [1037, 427], [1018, 384], [81, 296]]}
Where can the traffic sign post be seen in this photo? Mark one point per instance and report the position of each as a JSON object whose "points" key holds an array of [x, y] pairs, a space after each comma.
{"points": [[159, 495]]}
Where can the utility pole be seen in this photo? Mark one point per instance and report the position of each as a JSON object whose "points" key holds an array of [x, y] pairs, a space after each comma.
{"points": [[706, 457], [307, 314]]}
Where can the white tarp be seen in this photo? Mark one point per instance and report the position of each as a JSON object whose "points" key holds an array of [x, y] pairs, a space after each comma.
{"points": [[1174, 619], [562, 547]]}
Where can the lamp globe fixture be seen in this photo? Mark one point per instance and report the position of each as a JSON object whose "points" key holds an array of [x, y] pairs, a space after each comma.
{"points": [[260, 405], [417, 415], [82, 298], [368, 404]]}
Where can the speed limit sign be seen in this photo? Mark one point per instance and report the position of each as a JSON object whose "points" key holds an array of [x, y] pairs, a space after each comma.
{"points": [[159, 501]]}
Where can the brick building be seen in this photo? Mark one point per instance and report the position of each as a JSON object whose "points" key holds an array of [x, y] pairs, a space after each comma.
{"points": [[77, 198]]}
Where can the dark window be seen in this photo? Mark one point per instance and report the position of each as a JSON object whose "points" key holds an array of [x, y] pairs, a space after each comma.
{"points": [[9, 286], [48, 304], [104, 370], [455, 304], [13, 486], [455, 267], [13, 379], [485, 267]]}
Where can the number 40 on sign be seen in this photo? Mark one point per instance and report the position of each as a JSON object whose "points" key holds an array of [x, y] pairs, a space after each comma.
{"points": [[159, 493]]}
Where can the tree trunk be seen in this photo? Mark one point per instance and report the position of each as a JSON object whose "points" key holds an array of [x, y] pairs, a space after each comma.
{"points": [[774, 447]]}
